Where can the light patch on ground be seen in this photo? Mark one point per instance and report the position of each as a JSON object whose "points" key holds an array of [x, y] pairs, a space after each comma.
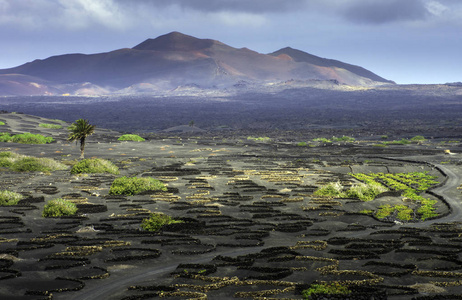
{"points": [[116, 268], [428, 288]]}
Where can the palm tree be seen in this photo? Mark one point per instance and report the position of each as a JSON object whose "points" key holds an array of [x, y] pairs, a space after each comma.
{"points": [[79, 130]]}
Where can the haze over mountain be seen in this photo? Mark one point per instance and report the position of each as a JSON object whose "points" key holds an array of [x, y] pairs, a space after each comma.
{"points": [[174, 60]]}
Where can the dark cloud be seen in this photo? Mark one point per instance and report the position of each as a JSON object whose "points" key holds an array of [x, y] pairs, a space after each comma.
{"points": [[251, 6], [386, 11]]}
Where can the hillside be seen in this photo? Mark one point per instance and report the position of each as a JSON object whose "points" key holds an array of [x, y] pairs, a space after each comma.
{"points": [[174, 60]]}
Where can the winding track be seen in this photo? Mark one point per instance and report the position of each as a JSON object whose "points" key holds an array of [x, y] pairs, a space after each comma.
{"points": [[116, 285]]}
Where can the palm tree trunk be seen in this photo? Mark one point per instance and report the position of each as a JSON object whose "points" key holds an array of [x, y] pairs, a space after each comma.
{"points": [[82, 147]]}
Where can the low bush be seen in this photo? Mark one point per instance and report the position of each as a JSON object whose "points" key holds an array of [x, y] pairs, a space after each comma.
{"points": [[259, 139], [131, 137], [156, 221], [9, 198], [366, 192], [2, 123], [400, 142], [343, 139], [22, 163], [134, 185], [59, 207], [332, 189], [322, 140], [302, 144], [418, 138], [51, 126], [94, 165], [5, 137], [30, 138], [6, 159], [326, 288], [34, 164], [404, 213]]}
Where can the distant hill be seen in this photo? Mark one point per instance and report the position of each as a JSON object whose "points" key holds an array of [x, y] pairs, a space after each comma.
{"points": [[173, 60]]}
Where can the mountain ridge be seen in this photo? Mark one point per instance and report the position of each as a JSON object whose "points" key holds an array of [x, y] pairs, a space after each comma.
{"points": [[176, 59]]}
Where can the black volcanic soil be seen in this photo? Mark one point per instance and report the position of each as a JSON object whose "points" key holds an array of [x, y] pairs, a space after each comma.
{"points": [[252, 225]]}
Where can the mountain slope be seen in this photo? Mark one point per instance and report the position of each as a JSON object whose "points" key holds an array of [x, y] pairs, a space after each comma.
{"points": [[300, 56], [176, 59]]}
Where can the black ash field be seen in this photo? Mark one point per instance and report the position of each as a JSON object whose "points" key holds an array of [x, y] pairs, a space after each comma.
{"points": [[254, 226]]}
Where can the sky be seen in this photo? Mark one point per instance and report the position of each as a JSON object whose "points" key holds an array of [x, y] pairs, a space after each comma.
{"points": [[407, 41]]}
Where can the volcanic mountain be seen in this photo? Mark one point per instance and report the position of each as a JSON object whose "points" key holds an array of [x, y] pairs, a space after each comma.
{"points": [[173, 60]]}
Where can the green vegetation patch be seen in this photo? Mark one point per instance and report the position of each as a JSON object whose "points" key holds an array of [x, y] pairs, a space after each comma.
{"points": [[9, 198], [364, 191], [418, 138], [411, 185], [59, 207], [322, 140], [135, 185], [2, 123], [259, 139], [5, 137], [332, 189], [157, 220], [94, 165], [22, 163], [334, 288], [25, 138], [51, 126], [404, 213], [131, 137], [400, 142], [346, 139]]}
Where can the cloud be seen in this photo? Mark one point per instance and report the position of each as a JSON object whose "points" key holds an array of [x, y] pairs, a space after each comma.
{"points": [[385, 11], [70, 14], [245, 6]]}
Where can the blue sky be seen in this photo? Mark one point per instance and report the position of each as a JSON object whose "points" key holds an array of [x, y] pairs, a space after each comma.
{"points": [[408, 41]]}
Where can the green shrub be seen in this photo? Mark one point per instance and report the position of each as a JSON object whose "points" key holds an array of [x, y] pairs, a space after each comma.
{"points": [[418, 138], [2, 123], [366, 192], [400, 142], [30, 138], [5, 137], [94, 165], [6, 154], [156, 221], [34, 164], [5, 162], [131, 137], [9, 198], [259, 139], [302, 144], [326, 288], [51, 126], [332, 189], [29, 164], [59, 207], [134, 185], [322, 140], [22, 163], [343, 139]]}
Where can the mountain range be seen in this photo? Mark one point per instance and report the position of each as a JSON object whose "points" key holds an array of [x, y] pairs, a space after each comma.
{"points": [[175, 60]]}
